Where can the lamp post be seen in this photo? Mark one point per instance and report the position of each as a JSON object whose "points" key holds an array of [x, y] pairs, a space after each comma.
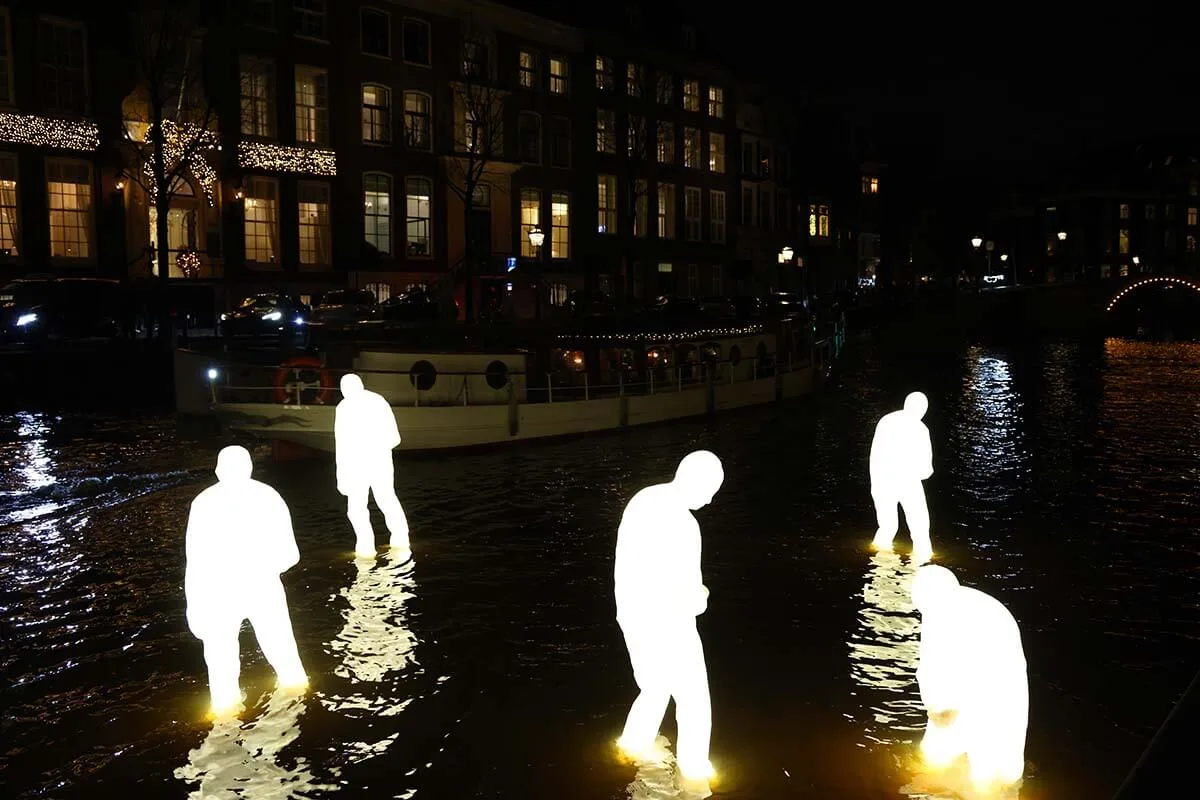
{"points": [[537, 238], [976, 242]]}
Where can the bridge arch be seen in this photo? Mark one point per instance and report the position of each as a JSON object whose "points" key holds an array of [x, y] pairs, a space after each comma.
{"points": [[1152, 280]]}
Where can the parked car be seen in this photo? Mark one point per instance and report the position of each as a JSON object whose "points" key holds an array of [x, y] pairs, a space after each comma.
{"points": [[416, 306], [343, 308], [268, 314], [61, 309]]}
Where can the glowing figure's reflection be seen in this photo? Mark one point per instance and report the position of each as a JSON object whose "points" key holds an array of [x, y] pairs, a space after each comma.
{"points": [[902, 457], [659, 594], [973, 681], [365, 433], [237, 760], [883, 652], [657, 777]]}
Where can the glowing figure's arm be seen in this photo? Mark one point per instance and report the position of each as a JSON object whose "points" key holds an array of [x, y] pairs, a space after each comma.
{"points": [[924, 455], [387, 422], [198, 569], [940, 673], [693, 594]]}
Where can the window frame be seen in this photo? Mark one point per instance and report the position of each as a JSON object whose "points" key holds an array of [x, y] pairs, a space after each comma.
{"points": [[327, 231], [298, 14], [391, 220], [429, 239], [42, 66], [90, 257], [270, 101], [521, 153], [319, 110], [362, 11], [428, 148], [388, 118], [404, 21], [15, 250]]}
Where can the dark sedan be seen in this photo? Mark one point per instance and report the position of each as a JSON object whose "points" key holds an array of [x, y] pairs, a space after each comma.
{"points": [[269, 314], [61, 309]]}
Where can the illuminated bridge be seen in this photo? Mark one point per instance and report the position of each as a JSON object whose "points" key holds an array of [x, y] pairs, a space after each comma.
{"points": [[1152, 282]]}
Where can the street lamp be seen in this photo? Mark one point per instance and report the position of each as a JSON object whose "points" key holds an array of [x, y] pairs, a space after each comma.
{"points": [[1062, 236], [976, 242], [785, 255], [1004, 256], [536, 237]]}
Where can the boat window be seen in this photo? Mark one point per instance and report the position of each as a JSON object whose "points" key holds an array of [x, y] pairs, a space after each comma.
{"points": [[423, 375], [497, 374]]}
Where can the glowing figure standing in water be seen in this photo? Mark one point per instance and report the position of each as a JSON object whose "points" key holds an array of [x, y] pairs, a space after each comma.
{"points": [[972, 678], [239, 541], [365, 433], [902, 457], [659, 593]]}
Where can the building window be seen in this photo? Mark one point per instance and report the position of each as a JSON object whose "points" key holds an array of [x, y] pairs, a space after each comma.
{"points": [[258, 97], [606, 131], [9, 221], [527, 69], [716, 102], [1123, 241], [382, 291], [1191, 216], [1149, 211], [691, 147], [823, 221], [1170, 211], [870, 185], [1123, 210], [606, 202], [716, 216], [475, 59], [414, 35], [1191, 243], [313, 215], [633, 80], [531, 217], [663, 85], [558, 76], [419, 217], [559, 294], [604, 73], [747, 209], [666, 211], [62, 66], [783, 210], [693, 280], [529, 137], [262, 221], [1193, 188], [716, 152], [377, 211], [418, 126], [375, 32], [666, 143], [6, 77], [635, 137], [560, 142], [766, 215], [812, 221], [312, 106], [641, 208], [691, 214], [691, 95], [718, 280], [376, 114], [69, 195], [560, 225], [310, 18]]}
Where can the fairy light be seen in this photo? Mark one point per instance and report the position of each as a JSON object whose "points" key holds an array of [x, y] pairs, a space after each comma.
{"points": [[60, 134], [184, 144], [706, 333], [189, 263], [1145, 282], [280, 158]]}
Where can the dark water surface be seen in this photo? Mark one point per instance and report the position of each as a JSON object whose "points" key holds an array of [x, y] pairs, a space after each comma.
{"points": [[1065, 485]]}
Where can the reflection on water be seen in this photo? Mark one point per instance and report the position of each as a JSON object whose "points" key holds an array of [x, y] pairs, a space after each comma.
{"points": [[996, 454], [883, 653], [242, 760], [657, 777]]}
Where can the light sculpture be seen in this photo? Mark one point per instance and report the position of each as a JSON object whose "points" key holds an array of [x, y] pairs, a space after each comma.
{"points": [[659, 593], [902, 457], [239, 541], [365, 433], [973, 681]]}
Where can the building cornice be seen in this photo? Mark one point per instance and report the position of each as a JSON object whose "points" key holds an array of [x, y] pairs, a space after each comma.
{"points": [[499, 17]]}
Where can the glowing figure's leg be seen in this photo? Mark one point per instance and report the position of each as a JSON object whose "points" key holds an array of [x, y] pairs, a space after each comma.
{"points": [[393, 514], [273, 627], [941, 745], [651, 670], [693, 706], [887, 518], [360, 520], [224, 666], [916, 514]]}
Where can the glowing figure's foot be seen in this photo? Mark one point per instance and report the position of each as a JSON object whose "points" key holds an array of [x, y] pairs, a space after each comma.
{"points": [[882, 541], [365, 551], [922, 556], [642, 751], [400, 546], [694, 788], [697, 770], [294, 684], [225, 709]]}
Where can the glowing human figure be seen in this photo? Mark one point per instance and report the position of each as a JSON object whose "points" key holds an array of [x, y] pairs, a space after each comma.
{"points": [[239, 541], [659, 594], [365, 433], [902, 457], [972, 678]]}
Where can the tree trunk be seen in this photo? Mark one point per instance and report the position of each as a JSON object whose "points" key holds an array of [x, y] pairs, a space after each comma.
{"points": [[468, 258], [162, 207]]}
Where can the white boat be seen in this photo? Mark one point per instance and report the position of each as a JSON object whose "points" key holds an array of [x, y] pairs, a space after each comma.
{"points": [[445, 400]]}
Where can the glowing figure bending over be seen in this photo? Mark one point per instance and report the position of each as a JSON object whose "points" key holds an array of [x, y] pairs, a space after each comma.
{"points": [[972, 678], [239, 541], [365, 433], [660, 592], [902, 457]]}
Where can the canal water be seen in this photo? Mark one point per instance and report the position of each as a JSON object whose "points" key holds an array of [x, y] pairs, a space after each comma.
{"points": [[492, 667]]}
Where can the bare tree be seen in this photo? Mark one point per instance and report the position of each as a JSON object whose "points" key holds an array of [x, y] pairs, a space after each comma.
{"points": [[640, 153], [478, 141], [169, 123]]}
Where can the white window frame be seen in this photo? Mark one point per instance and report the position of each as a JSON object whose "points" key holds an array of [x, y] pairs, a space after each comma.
{"points": [[560, 235], [529, 199], [387, 27], [665, 210], [716, 155], [390, 230], [693, 200], [717, 221], [253, 183], [410, 217], [313, 118], [404, 21], [416, 114], [10, 213], [308, 13], [44, 66], [606, 204], [251, 104], [322, 235], [89, 226], [384, 123]]}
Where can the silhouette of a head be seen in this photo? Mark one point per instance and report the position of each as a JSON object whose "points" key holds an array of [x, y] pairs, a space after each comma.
{"points": [[351, 384], [932, 586], [916, 404], [698, 478], [234, 464]]}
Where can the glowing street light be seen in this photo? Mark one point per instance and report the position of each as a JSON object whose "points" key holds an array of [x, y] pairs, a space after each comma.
{"points": [[1062, 236], [785, 255], [536, 236], [1004, 256], [976, 242], [1136, 260]]}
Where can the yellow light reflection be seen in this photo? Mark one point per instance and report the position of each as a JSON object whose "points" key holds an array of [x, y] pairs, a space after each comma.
{"points": [[658, 778]]}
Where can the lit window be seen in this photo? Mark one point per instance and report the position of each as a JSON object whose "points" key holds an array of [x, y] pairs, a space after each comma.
{"points": [[375, 32], [558, 76], [527, 69], [870, 185], [663, 88], [417, 120], [62, 57], [606, 131], [823, 221], [691, 214], [716, 102], [812, 221], [1191, 216], [716, 216], [633, 80], [258, 97], [419, 217], [9, 224], [560, 225], [716, 152], [559, 294], [1124, 210], [529, 137], [312, 106], [1123, 241], [666, 211], [475, 59], [691, 147], [635, 137], [604, 73], [262, 221], [560, 142], [606, 202], [6, 87], [376, 114], [691, 95], [382, 291], [641, 215], [313, 216], [415, 38], [377, 211], [531, 217], [69, 192], [666, 143], [310, 18]]}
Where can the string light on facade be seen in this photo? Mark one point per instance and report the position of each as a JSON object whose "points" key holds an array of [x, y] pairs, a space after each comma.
{"points": [[38, 131], [707, 333], [1146, 281], [189, 263], [279, 158], [184, 144]]}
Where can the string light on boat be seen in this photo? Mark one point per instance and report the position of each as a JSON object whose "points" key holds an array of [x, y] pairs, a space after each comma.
{"points": [[707, 333], [47, 132], [280, 158], [1145, 282], [184, 144]]}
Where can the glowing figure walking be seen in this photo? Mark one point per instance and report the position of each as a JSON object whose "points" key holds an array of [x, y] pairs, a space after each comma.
{"points": [[239, 541], [972, 678], [659, 594], [902, 457], [365, 433]]}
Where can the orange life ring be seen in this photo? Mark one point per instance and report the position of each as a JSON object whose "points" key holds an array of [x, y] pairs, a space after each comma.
{"points": [[283, 394]]}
